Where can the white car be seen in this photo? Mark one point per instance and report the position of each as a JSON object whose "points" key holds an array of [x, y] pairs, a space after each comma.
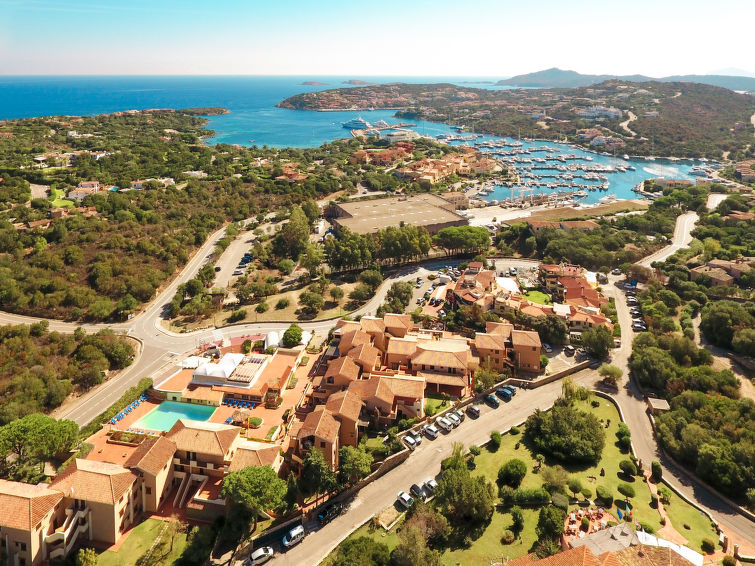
{"points": [[430, 485], [415, 435], [410, 442], [260, 556], [444, 424], [294, 536], [405, 499], [431, 431], [454, 420]]}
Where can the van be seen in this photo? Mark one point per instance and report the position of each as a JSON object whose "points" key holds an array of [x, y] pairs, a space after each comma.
{"points": [[444, 424], [294, 536]]}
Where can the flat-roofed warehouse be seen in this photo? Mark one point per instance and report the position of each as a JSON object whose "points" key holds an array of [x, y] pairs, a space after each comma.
{"points": [[368, 216]]}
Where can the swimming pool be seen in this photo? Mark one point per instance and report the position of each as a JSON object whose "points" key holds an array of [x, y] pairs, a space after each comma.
{"points": [[165, 415]]}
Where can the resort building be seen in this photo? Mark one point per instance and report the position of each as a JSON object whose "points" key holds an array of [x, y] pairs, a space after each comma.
{"points": [[599, 112], [429, 211], [84, 189]]}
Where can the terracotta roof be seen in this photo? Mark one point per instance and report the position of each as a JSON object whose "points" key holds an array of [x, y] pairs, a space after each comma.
{"points": [[490, 341], [100, 482], [406, 386], [203, 437], [353, 338], [502, 328], [402, 346], [320, 423], [22, 505], [152, 455], [525, 338], [254, 454], [202, 393], [371, 324], [397, 321], [573, 557], [373, 388], [645, 555], [366, 355], [441, 358], [343, 366], [345, 403], [443, 378]]}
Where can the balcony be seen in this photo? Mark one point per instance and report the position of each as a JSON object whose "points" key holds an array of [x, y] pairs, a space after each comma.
{"points": [[64, 538]]}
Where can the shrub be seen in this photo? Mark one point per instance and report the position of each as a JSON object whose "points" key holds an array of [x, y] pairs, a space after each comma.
{"points": [[605, 495], [654, 501], [628, 468], [475, 450], [626, 490], [595, 403], [514, 430], [508, 537], [708, 546], [585, 523], [656, 470], [282, 304], [255, 422], [560, 501], [523, 496], [648, 528], [237, 315], [512, 472], [517, 519], [262, 307], [729, 561], [586, 492], [495, 441], [430, 410]]}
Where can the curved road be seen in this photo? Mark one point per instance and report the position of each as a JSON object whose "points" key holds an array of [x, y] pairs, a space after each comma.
{"points": [[681, 239]]}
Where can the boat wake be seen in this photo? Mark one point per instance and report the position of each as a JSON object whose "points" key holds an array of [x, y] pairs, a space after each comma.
{"points": [[662, 171]]}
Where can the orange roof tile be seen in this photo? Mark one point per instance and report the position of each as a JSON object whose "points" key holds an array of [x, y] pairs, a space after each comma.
{"points": [[525, 338], [372, 325], [343, 367], [353, 338], [22, 505], [203, 437], [152, 455], [490, 341], [254, 454], [100, 482], [345, 403], [366, 355], [320, 423], [402, 346]]}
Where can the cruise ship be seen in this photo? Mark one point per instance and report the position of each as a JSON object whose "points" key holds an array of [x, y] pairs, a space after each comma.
{"points": [[357, 123]]}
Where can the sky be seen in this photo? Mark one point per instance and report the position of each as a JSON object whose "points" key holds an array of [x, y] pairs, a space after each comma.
{"points": [[476, 38]]}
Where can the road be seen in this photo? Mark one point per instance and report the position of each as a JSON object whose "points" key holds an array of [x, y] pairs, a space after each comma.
{"points": [[681, 239], [422, 464], [625, 124]]}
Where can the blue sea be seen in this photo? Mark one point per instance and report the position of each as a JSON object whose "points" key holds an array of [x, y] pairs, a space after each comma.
{"points": [[254, 119]]}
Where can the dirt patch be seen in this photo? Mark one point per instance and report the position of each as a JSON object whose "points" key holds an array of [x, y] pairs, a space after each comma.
{"points": [[569, 213], [38, 191]]}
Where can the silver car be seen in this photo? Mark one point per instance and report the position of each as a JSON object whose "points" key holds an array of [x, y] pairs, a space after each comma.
{"points": [[260, 556]]}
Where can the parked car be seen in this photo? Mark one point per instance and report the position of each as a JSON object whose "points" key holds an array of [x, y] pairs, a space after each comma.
{"points": [[430, 431], [294, 536], [493, 401], [444, 424], [453, 419], [417, 491], [459, 414], [329, 512], [547, 348], [405, 499], [260, 556], [503, 393], [238, 272], [410, 442], [616, 271], [569, 350], [217, 268], [415, 435], [430, 485], [473, 411]]}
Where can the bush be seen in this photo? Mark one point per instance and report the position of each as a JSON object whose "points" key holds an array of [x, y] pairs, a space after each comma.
{"points": [[628, 468], [517, 519], [262, 307], [605, 495], [708, 546], [282, 304], [430, 410], [512, 472], [508, 537], [648, 528], [255, 422], [729, 561], [560, 501], [585, 523], [514, 430], [586, 492], [475, 450], [237, 315], [495, 441], [656, 470]]}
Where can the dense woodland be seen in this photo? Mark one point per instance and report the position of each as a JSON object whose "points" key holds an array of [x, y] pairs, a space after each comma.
{"points": [[40, 368]]}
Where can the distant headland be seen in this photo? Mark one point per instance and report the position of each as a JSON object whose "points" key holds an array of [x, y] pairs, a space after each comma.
{"points": [[314, 83], [205, 111]]}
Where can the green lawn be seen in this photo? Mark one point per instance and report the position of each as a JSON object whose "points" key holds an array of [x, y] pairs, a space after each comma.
{"points": [[682, 513], [138, 542], [434, 401], [58, 201], [538, 297], [488, 546]]}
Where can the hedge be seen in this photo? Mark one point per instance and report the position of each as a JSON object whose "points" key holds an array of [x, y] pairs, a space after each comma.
{"points": [[605, 495], [522, 496]]}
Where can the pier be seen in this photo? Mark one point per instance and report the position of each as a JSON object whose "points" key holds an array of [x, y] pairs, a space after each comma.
{"points": [[363, 133]]}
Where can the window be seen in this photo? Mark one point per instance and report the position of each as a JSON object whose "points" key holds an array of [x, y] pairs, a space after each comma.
{"points": [[330, 379], [23, 546], [322, 444], [149, 491]]}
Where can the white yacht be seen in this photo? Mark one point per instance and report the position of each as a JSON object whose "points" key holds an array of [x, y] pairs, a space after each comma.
{"points": [[357, 123]]}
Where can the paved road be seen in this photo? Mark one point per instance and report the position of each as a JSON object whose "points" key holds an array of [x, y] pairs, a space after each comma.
{"points": [[422, 464], [681, 239], [633, 407]]}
